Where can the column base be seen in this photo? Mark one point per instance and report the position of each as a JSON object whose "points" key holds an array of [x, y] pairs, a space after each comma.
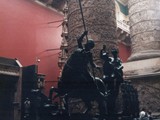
{"points": [[141, 67], [144, 55]]}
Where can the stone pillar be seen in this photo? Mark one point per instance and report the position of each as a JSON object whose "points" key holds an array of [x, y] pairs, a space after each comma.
{"points": [[144, 63], [99, 17], [144, 18]]}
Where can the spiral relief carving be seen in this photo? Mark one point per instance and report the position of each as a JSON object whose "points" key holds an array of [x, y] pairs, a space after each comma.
{"points": [[144, 26], [99, 17]]}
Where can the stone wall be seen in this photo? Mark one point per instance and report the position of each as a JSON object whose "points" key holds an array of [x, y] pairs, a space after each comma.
{"points": [[149, 92]]}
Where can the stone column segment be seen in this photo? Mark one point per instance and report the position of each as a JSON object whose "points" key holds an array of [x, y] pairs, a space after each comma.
{"points": [[99, 17], [144, 18]]}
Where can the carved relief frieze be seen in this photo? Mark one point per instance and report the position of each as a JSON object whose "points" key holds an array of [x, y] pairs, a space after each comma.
{"points": [[144, 5], [144, 15], [145, 41], [144, 27], [100, 21]]}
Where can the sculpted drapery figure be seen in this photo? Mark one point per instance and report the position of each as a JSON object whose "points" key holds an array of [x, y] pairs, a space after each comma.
{"points": [[113, 76]]}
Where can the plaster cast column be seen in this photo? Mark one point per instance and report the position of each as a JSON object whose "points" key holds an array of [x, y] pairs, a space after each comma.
{"points": [[144, 18], [99, 16]]}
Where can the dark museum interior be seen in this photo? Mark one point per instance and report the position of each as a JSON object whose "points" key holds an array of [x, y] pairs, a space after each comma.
{"points": [[79, 60]]}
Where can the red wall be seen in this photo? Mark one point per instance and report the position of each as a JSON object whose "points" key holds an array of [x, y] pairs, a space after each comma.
{"points": [[124, 52], [25, 35]]}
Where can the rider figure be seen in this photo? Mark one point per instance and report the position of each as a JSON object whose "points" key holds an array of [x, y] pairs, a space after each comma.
{"points": [[76, 70], [76, 78]]}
